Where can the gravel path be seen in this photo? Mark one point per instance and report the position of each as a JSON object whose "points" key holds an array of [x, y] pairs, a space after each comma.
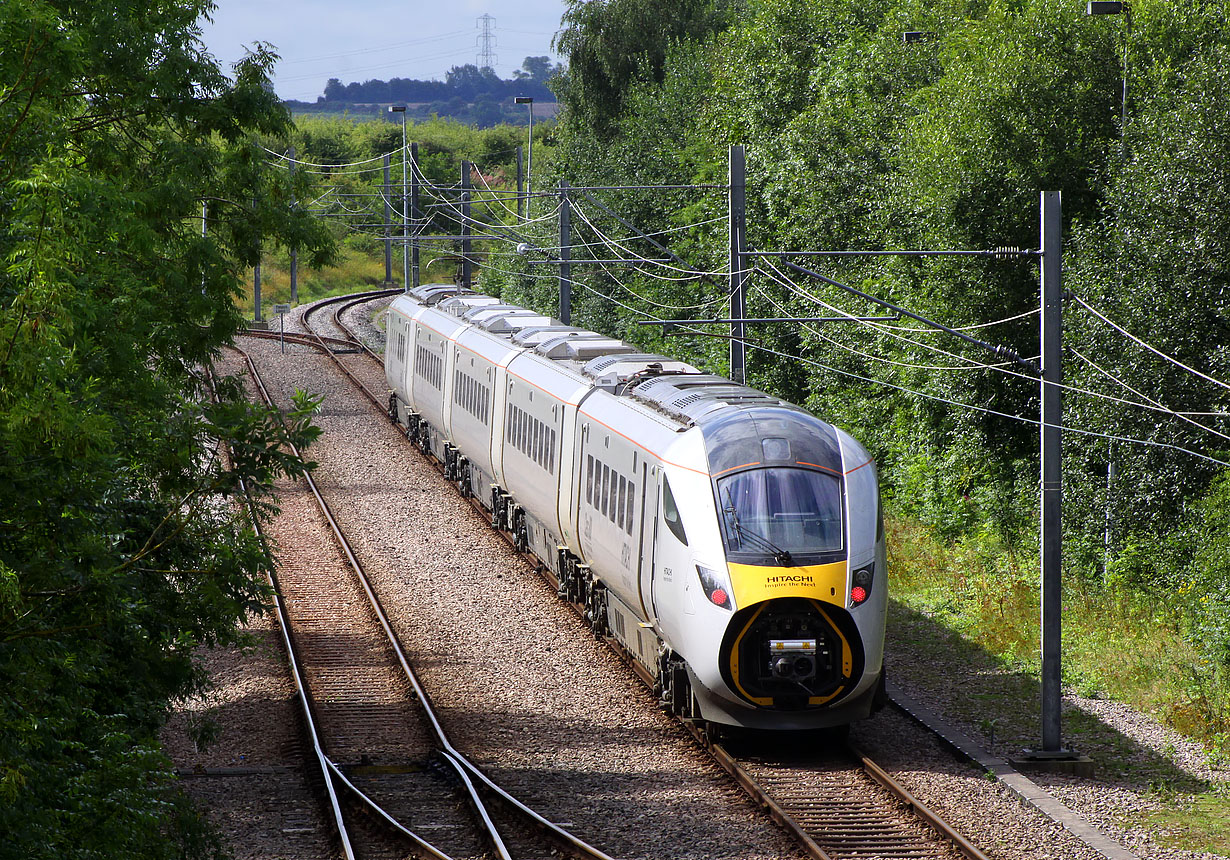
{"points": [[534, 699]]}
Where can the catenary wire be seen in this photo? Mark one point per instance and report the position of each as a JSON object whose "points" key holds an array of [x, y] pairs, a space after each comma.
{"points": [[1147, 346], [789, 284], [1019, 316], [721, 299], [985, 410], [786, 312], [689, 274], [1157, 403], [281, 156]]}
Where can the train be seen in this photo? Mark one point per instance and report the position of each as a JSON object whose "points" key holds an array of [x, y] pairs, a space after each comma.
{"points": [[729, 541]]}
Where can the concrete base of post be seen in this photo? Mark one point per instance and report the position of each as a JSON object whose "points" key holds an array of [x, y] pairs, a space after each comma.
{"points": [[1061, 761], [259, 325]]}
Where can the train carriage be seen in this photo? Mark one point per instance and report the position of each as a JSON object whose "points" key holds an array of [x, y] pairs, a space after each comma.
{"points": [[730, 541]]}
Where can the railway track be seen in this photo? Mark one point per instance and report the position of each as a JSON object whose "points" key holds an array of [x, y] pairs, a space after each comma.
{"points": [[379, 744], [840, 803], [836, 803]]}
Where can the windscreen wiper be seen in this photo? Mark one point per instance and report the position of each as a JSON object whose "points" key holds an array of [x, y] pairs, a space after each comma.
{"points": [[780, 555]]}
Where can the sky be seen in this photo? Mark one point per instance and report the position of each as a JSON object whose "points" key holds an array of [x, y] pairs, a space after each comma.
{"points": [[378, 39]]}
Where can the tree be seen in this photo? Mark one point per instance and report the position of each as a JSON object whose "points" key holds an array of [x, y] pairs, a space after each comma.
{"points": [[536, 69], [609, 46], [120, 547], [334, 91], [469, 80]]}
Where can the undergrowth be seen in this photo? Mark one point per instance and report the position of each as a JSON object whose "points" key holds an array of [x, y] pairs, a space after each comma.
{"points": [[1118, 643]]}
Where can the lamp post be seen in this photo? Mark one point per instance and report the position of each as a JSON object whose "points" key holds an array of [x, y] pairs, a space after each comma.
{"points": [[1118, 7], [528, 101], [405, 220]]}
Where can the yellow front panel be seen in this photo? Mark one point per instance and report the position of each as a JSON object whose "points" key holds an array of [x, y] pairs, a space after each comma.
{"points": [[753, 583]]}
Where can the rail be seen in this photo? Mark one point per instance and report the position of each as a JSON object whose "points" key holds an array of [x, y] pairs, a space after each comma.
{"points": [[467, 772], [810, 838]]}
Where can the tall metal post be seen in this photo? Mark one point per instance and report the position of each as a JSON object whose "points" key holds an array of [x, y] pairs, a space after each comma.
{"points": [[256, 279], [1107, 534], [405, 216], [388, 226], [1052, 470], [565, 254], [520, 186], [738, 278], [414, 210], [529, 164], [467, 262], [294, 252], [204, 234], [256, 292]]}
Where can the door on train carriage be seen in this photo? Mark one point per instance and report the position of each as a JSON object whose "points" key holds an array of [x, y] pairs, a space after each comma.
{"points": [[649, 508]]}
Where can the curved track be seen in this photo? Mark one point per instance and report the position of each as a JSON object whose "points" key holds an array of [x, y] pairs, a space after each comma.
{"points": [[344, 688], [836, 804]]}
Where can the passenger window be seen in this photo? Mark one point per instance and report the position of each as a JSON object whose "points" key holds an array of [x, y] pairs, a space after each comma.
{"points": [[670, 512], [631, 506], [589, 479], [606, 488], [623, 500]]}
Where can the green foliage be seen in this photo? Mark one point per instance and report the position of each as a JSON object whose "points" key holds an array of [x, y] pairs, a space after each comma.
{"points": [[1194, 823], [468, 94], [612, 46], [859, 140], [120, 547]]}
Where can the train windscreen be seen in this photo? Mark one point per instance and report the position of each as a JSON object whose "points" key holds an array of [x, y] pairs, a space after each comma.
{"points": [[780, 514]]}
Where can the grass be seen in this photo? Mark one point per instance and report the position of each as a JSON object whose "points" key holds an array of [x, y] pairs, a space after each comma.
{"points": [[965, 614], [1115, 645], [357, 270], [1200, 823]]}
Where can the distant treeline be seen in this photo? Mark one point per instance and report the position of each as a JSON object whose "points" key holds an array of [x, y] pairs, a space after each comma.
{"points": [[467, 93]]}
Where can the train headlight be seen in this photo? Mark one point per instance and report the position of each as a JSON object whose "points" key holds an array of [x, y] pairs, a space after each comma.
{"points": [[860, 584], [717, 587]]}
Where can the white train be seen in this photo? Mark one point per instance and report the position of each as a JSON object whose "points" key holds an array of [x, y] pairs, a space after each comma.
{"points": [[731, 542]]}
